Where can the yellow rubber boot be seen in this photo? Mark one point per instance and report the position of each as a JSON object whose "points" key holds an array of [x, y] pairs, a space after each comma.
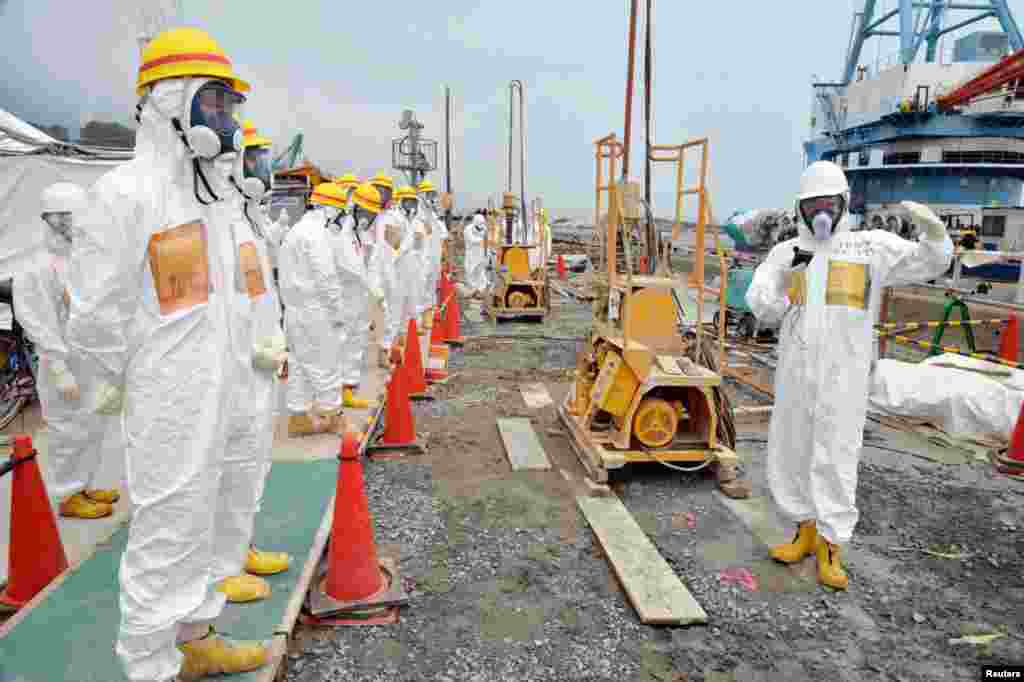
{"points": [[802, 545], [830, 567], [215, 655], [240, 589], [78, 506], [349, 400], [106, 496], [266, 563]]}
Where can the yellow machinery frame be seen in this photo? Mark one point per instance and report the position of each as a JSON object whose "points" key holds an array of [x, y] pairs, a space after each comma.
{"points": [[536, 282], [648, 354]]}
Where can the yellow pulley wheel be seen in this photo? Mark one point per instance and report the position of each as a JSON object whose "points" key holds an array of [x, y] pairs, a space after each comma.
{"points": [[655, 422], [520, 299]]}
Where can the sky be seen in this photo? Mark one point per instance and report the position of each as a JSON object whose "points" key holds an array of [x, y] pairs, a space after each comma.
{"points": [[735, 72]]}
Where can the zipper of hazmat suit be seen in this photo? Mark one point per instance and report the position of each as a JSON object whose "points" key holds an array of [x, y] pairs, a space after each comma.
{"points": [[153, 290]]}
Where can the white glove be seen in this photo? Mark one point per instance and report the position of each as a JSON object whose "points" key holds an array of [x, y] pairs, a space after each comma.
{"points": [[377, 295], [110, 399], [921, 215], [64, 380], [268, 354]]}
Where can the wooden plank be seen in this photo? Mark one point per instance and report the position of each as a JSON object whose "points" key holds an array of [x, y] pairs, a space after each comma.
{"points": [[656, 592], [535, 396], [522, 446]]}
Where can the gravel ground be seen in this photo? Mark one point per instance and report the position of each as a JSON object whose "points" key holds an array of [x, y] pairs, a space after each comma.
{"points": [[508, 583]]}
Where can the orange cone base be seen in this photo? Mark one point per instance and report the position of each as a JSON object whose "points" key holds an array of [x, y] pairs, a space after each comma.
{"points": [[384, 616], [391, 593]]}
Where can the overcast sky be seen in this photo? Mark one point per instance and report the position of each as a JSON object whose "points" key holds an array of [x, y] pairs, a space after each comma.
{"points": [[737, 72]]}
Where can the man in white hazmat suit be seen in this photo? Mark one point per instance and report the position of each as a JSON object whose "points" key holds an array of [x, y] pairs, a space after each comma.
{"points": [[314, 305], [154, 281], [347, 245], [258, 352], [385, 186], [66, 383], [394, 269], [475, 261], [827, 308], [436, 233]]}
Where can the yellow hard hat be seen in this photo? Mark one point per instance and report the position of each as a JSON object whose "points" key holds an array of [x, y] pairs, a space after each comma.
{"points": [[405, 192], [347, 181], [426, 186], [382, 180], [367, 197], [251, 138], [328, 194], [185, 52]]}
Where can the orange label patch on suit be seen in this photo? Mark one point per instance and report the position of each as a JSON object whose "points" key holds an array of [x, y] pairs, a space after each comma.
{"points": [[179, 261], [849, 284], [249, 262]]}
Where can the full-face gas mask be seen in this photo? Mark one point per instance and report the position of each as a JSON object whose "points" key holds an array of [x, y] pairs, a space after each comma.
{"points": [[385, 194], [363, 218], [256, 173], [409, 207], [822, 214]]}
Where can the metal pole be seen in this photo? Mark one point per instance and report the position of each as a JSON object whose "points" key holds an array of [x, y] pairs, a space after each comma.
{"points": [[448, 152], [651, 232], [629, 87]]}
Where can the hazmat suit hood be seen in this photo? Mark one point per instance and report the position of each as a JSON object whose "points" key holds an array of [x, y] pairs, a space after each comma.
{"points": [[162, 149]]}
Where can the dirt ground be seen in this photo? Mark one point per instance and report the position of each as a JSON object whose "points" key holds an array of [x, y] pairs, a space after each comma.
{"points": [[508, 582]]}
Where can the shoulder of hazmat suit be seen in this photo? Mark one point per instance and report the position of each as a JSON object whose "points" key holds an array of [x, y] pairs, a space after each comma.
{"points": [[312, 280]]}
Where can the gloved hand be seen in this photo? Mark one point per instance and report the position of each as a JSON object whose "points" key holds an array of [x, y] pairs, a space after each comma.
{"points": [[64, 380], [269, 353], [934, 228], [110, 399], [377, 296]]}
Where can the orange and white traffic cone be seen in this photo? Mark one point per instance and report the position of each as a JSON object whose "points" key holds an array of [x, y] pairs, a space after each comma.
{"points": [[355, 587], [399, 425], [36, 554]]}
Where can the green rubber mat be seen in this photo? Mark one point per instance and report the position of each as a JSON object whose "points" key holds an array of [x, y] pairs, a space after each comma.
{"points": [[70, 635]]}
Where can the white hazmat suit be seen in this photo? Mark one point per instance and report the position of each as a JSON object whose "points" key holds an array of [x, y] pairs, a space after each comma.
{"points": [[67, 384], [826, 353], [258, 349], [432, 256], [393, 274], [314, 306], [354, 277], [475, 261], [153, 287]]}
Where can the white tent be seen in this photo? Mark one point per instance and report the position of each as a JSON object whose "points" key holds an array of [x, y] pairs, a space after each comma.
{"points": [[30, 160]]}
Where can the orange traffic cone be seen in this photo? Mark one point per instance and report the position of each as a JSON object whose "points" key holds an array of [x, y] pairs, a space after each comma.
{"points": [[357, 586], [437, 364], [412, 364], [399, 425], [561, 267], [452, 314], [1010, 340], [1015, 455], [437, 334], [643, 265], [36, 553]]}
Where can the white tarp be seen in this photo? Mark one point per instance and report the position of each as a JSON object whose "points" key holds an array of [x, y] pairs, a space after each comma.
{"points": [[965, 397], [30, 160], [22, 180]]}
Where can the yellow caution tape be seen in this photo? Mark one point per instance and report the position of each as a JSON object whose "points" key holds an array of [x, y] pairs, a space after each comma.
{"points": [[911, 326], [956, 351]]}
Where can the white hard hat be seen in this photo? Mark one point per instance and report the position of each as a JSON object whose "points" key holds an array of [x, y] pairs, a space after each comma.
{"points": [[62, 197], [823, 179]]}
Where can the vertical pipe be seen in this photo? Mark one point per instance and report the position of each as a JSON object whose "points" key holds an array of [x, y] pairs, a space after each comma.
{"points": [[906, 31], [651, 231], [629, 86], [448, 141]]}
